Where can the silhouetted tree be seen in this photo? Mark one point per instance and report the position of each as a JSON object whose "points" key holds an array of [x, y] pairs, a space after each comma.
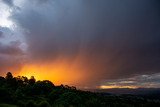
{"points": [[22, 80], [23, 92], [11, 81], [43, 87], [9, 76], [31, 104], [5, 95], [32, 80], [44, 104], [2, 81]]}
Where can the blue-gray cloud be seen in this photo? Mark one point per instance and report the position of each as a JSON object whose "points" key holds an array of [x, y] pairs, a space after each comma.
{"points": [[1, 34], [117, 38], [140, 81], [11, 55], [11, 49], [8, 2]]}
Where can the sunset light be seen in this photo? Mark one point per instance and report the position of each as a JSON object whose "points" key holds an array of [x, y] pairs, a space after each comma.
{"points": [[79, 53], [115, 86], [57, 73]]}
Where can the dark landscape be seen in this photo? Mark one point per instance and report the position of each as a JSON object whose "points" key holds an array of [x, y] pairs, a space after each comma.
{"points": [[23, 92]]}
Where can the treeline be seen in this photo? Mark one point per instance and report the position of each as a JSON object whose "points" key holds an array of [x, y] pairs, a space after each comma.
{"points": [[23, 92]]}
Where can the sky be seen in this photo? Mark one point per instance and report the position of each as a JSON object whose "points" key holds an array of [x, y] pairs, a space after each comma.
{"points": [[85, 43]]}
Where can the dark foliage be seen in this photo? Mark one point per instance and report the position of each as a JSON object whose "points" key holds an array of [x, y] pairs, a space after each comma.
{"points": [[23, 92]]}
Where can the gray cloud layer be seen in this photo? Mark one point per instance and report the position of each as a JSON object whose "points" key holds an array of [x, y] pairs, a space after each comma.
{"points": [[140, 81], [11, 55], [8, 2], [1, 34], [118, 38]]}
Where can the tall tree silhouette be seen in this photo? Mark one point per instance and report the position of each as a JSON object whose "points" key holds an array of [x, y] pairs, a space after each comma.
{"points": [[9, 76], [32, 80]]}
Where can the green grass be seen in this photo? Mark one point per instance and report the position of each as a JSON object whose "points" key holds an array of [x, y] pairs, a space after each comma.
{"points": [[7, 105]]}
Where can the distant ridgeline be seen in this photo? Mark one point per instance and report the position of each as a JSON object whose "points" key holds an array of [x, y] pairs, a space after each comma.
{"points": [[23, 92]]}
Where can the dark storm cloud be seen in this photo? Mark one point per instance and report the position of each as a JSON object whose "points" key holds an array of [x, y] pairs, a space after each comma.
{"points": [[11, 49], [41, 1], [2, 31], [11, 55], [53, 30], [8, 2], [118, 38], [10, 63], [1, 34]]}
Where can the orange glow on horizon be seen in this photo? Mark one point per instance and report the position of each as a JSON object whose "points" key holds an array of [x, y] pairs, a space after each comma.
{"points": [[116, 86], [59, 72]]}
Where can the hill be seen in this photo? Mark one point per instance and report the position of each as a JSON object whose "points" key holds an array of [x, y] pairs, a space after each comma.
{"points": [[23, 92]]}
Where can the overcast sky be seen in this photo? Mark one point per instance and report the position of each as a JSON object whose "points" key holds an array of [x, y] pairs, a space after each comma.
{"points": [[96, 42]]}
